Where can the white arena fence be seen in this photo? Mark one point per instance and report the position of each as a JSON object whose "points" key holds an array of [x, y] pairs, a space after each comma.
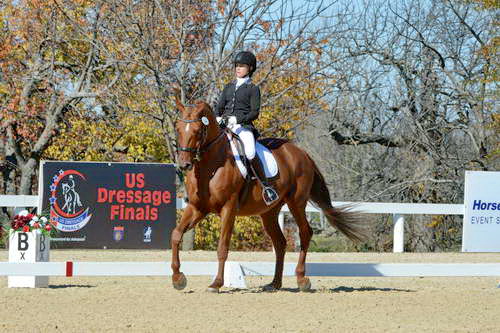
{"points": [[398, 210], [235, 272]]}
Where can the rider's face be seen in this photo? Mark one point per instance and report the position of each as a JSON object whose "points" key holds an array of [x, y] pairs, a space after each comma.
{"points": [[241, 70]]}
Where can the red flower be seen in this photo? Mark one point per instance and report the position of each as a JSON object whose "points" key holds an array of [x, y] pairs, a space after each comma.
{"points": [[48, 227], [18, 222], [26, 228], [36, 225]]}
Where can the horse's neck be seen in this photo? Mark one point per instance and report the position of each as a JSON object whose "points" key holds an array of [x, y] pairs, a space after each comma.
{"points": [[211, 160], [215, 157]]}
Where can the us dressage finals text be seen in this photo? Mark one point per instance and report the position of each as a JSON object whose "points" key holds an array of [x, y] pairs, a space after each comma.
{"points": [[134, 195]]}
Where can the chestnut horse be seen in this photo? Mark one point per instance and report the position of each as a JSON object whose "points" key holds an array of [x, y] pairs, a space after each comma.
{"points": [[214, 184]]}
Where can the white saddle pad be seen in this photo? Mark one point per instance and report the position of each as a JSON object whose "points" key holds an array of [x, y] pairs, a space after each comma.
{"points": [[265, 155]]}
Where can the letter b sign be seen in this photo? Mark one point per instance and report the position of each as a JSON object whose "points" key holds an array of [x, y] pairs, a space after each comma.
{"points": [[22, 241]]}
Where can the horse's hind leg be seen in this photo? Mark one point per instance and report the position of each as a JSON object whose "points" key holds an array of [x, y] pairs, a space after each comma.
{"points": [[299, 213], [270, 222]]}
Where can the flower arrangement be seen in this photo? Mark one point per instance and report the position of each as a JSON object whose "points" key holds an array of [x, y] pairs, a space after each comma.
{"points": [[27, 222]]}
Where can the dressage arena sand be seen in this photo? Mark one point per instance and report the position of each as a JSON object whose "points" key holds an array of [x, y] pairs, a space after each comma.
{"points": [[150, 304]]}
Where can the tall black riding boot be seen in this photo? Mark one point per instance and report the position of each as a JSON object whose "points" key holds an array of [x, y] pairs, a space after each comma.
{"points": [[269, 194]]}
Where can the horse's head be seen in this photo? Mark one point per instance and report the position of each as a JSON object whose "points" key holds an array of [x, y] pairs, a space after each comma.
{"points": [[194, 129], [66, 188]]}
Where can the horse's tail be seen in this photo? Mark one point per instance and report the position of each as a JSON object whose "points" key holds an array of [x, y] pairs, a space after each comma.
{"points": [[349, 223]]}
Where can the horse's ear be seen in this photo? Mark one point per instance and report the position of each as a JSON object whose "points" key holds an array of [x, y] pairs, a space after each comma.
{"points": [[179, 104], [177, 96]]}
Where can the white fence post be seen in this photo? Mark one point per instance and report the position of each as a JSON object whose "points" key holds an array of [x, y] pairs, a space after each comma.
{"points": [[28, 247], [399, 236], [281, 222]]}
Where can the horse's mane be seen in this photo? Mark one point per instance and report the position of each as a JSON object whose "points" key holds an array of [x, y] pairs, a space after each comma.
{"points": [[207, 109]]}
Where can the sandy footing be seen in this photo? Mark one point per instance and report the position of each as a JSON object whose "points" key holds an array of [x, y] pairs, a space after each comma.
{"points": [[150, 304]]}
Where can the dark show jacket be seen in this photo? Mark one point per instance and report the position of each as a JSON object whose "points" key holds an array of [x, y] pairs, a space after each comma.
{"points": [[244, 104]]}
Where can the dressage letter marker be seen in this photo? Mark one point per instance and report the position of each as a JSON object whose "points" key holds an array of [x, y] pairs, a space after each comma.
{"points": [[28, 247]]}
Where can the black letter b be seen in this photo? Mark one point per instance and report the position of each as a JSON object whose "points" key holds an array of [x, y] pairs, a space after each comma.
{"points": [[22, 241]]}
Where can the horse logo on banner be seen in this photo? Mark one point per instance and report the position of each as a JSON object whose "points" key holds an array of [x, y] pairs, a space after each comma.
{"points": [[66, 209], [147, 234]]}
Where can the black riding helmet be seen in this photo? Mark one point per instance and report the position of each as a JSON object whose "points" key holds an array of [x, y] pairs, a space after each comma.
{"points": [[246, 58]]}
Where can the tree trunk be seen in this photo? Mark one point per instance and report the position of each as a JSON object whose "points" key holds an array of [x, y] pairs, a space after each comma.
{"points": [[9, 170], [27, 172]]}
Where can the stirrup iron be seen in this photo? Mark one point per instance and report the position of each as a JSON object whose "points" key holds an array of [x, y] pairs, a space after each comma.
{"points": [[269, 195]]}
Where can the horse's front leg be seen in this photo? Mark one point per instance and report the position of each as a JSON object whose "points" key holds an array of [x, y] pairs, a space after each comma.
{"points": [[227, 216], [189, 219]]}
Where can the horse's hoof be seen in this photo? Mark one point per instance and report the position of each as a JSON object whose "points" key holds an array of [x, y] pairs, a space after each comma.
{"points": [[213, 290], [179, 281], [304, 284], [270, 288]]}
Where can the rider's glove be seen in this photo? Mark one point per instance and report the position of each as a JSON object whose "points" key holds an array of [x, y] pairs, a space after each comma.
{"points": [[226, 121], [222, 122]]}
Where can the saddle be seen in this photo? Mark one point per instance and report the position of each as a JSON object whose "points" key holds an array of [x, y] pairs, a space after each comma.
{"points": [[262, 152], [267, 163]]}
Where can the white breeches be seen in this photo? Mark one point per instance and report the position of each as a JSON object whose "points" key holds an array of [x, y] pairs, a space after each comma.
{"points": [[248, 139], [245, 135]]}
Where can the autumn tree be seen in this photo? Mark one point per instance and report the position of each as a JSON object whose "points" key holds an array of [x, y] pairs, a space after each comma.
{"points": [[393, 99], [490, 51], [410, 108], [54, 60], [190, 45]]}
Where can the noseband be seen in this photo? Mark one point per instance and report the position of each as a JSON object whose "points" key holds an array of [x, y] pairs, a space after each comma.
{"points": [[201, 148]]}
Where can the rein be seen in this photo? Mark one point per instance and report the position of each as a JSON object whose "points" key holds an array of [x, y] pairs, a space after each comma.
{"points": [[201, 148]]}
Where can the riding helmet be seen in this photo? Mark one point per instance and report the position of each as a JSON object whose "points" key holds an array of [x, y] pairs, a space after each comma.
{"points": [[247, 58]]}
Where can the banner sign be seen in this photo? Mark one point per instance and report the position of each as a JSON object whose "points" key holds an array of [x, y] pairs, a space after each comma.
{"points": [[481, 230], [109, 205]]}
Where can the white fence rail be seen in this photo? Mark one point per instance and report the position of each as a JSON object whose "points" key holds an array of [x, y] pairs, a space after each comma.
{"points": [[236, 271], [250, 268], [18, 200], [398, 210]]}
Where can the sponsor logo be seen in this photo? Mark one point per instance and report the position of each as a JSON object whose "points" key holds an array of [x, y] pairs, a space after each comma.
{"points": [[147, 234], [67, 212], [480, 205], [118, 233]]}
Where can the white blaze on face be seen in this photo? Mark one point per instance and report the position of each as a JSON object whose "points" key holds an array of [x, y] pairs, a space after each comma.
{"points": [[187, 127]]}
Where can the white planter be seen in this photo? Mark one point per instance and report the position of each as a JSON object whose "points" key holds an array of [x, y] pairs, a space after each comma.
{"points": [[28, 247]]}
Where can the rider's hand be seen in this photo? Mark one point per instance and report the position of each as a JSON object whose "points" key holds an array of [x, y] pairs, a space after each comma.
{"points": [[231, 121], [223, 122]]}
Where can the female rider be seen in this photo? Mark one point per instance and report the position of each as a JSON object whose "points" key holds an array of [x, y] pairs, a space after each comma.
{"points": [[239, 105]]}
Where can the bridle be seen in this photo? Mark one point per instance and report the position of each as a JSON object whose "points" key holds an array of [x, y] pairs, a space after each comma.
{"points": [[201, 147]]}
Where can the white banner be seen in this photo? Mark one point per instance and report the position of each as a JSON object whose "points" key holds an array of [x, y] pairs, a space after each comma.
{"points": [[481, 229]]}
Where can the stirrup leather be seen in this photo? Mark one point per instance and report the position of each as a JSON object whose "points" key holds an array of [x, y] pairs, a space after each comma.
{"points": [[269, 194]]}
